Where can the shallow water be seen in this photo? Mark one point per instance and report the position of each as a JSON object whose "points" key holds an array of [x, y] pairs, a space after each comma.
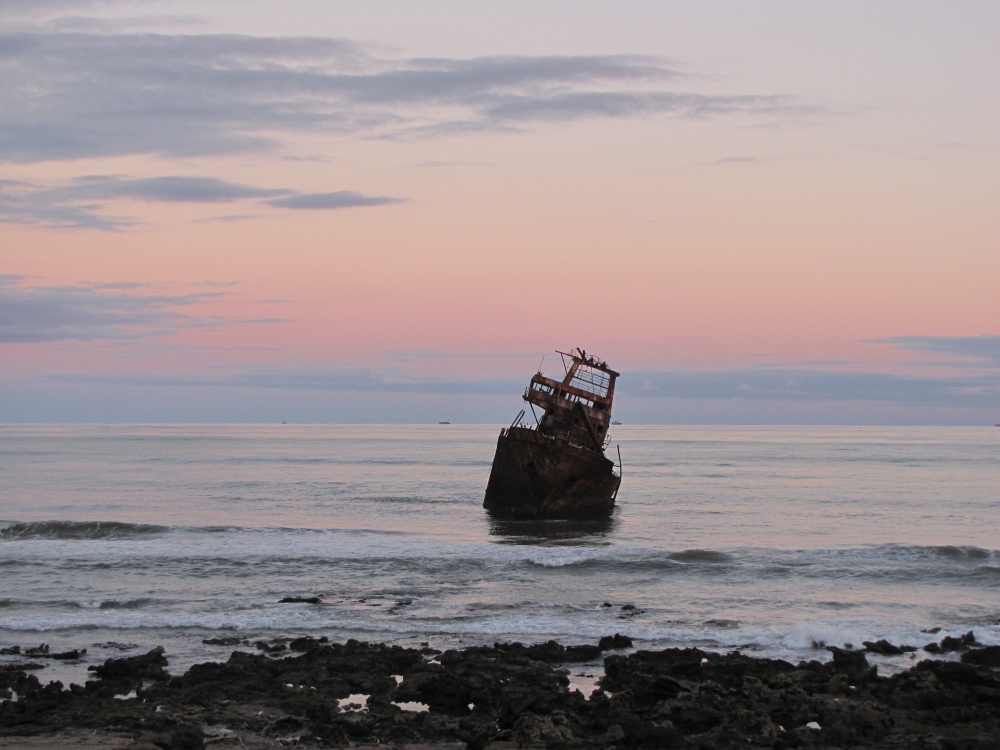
{"points": [[770, 539]]}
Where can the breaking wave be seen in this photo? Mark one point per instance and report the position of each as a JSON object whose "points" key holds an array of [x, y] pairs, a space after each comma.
{"points": [[962, 553], [115, 530], [78, 530], [701, 555]]}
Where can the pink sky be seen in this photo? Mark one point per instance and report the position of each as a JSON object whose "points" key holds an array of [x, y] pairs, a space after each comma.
{"points": [[756, 193]]}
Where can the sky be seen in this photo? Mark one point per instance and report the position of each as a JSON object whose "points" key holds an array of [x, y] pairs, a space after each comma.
{"points": [[758, 212]]}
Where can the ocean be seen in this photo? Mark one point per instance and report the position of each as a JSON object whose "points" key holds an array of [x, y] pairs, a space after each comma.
{"points": [[772, 540]]}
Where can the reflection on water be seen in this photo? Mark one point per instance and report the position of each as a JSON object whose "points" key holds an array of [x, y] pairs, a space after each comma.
{"points": [[534, 531]]}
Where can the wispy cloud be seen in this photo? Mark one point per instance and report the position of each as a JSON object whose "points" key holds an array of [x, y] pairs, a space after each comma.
{"points": [[572, 106], [789, 385], [89, 312], [413, 355], [75, 94], [338, 199], [229, 217], [39, 7], [800, 385], [977, 350], [314, 378], [80, 202], [445, 164]]}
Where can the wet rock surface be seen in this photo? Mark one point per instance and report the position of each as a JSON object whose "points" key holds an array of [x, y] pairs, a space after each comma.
{"points": [[885, 648], [985, 657], [951, 643], [517, 696]]}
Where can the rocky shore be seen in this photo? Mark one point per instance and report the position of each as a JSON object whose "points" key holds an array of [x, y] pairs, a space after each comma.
{"points": [[316, 694]]}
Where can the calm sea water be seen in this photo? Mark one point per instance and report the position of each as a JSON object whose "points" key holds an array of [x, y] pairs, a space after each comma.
{"points": [[769, 539]]}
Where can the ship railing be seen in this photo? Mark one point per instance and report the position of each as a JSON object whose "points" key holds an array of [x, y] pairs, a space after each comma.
{"points": [[594, 381]]}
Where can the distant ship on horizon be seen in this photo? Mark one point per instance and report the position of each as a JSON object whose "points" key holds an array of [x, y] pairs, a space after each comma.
{"points": [[445, 421]]}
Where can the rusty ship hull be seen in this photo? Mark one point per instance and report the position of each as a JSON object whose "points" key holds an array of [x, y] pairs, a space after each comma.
{"points": [[557, 467], [536, 476]]}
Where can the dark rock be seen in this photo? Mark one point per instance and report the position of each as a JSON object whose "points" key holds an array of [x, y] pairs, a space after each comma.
{"points": [[607, 604], [931, 631], [882, 646], [300, 600], [962, 643], [68, 655], [151, 741], [582, 653], [270, 648], [549, 653], [21, 667], [852, 663], [187, 738], [984, 657], [686, 699], [307, 643], [147, 666], [629, 610], [532, 730], [10, 651], [37, 650], [616, 641], [950, 643]]}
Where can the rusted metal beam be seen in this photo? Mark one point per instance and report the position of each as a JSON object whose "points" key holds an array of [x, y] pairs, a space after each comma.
{"points": [[598, 445]]}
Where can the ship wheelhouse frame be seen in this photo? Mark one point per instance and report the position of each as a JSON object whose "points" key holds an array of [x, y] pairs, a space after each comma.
{"points": [[578, 408]]}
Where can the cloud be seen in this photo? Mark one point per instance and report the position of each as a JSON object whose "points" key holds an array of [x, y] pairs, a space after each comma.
{"points": [[413, 355], [93, 312], [983, 349], [36, 7], [126, 23], [439, 163], [572, 106], [314, 378], [74, 94], [184, 189], [338, 199], [78, 203], [229, 217], [749, 385], [799, 385]]}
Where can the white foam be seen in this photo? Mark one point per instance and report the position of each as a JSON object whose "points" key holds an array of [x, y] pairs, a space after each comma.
{"points": [[558, 557], [414, 706], [816, 634]]}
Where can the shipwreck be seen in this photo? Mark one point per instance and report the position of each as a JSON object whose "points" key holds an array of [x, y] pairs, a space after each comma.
{"points": [[556, 468]]}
